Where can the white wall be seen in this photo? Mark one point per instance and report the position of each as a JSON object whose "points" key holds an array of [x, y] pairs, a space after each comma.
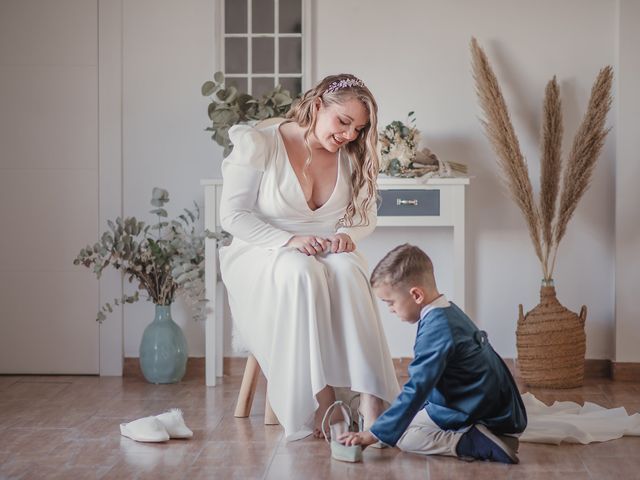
{"points": [[167, 55], [423, 65], [627, 192], [168, 50]]}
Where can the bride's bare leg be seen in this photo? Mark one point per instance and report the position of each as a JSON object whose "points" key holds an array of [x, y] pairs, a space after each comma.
{"points": [[325, 398], [371, 407]]}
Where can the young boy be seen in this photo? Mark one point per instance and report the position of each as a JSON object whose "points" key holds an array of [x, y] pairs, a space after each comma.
{"points": [[460, 399]]}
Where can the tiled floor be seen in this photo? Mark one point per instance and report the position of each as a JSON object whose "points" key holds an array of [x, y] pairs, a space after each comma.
{"points": [[67, 428]]}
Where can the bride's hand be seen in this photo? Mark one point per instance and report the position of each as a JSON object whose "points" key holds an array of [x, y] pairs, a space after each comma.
{"points": [[341, 242], [309, 244]]}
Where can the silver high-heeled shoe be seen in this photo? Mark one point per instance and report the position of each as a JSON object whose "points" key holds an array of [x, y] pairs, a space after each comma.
{"points": [[339, 451]]}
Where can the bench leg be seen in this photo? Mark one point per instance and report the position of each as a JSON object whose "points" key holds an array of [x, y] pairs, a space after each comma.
{"points": [[247, 388], [269, 417]]}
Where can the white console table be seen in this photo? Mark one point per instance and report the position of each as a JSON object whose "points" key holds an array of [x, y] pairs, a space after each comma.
{"points": [[436, 202]]}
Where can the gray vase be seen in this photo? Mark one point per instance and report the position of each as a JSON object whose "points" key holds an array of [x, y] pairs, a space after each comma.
{"points": [[163, 349]]}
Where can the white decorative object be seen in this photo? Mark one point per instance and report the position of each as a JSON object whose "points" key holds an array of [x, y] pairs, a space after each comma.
{"points": [[147, 429], [173, 422]]}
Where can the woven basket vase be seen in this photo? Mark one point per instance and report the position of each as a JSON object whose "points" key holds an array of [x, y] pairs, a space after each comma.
{"points": [[551, 343]]}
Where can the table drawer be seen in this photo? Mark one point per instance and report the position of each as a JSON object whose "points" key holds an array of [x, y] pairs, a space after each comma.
{"points": [[409, 203]]}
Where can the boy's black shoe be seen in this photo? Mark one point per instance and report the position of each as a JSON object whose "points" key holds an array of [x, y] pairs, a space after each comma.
{"points": [[478, 443]]}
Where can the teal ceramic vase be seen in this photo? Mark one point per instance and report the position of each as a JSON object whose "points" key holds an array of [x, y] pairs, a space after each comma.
{"points": [[163, 349]]}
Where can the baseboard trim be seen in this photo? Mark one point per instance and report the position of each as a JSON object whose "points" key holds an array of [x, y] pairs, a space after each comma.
{"points": [[597, 368], [234, 366], [195, 368], [625, 371], [593, 367]]}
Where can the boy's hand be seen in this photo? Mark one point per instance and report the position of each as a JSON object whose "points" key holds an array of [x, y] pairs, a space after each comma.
{"points": [[363, 439]]}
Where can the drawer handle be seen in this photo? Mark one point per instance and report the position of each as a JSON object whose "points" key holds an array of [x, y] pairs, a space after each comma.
{"points": [[399, 202]]}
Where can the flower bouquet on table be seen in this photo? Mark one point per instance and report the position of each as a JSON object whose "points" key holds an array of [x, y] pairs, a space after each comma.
{"points": [[400, 157]]}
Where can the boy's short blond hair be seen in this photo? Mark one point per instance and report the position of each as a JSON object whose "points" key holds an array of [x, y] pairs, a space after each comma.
{"points": [[405, 264]]}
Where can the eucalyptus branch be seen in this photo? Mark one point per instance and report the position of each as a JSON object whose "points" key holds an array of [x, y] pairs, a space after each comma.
{"points": [[229, 107], [151, 258]]}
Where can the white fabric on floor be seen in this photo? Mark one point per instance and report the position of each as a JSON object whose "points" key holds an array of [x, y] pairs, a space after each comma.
{"points": [[572, 423], [310, 321]]}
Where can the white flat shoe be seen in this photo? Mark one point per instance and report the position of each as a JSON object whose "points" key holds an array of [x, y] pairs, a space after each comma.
{"points": [[147, 429], [174, 424]]}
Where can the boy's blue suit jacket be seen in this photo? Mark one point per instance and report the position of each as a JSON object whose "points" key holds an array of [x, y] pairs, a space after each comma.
{"points": [[457, 377]]}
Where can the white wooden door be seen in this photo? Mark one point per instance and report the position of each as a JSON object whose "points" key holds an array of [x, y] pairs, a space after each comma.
{"points": [[49, 182]]}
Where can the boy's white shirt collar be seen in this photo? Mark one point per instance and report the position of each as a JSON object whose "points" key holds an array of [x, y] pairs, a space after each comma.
{"points": [[440, 302]]}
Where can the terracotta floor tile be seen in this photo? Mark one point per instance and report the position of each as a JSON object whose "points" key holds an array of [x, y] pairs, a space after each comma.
{"points": [[43, 470], [13, 412], [627, 400], [51, 417], [234, 453], [30, 441], [13, 470], [440, 467], [550, 458], [142, 468], [171, 452], [208, 472], [377, 464], [603, 468], [68, 427], [35, 392], [620, 448], [7, 381], [251, 429], [523, 474], [632, 407], [96, 428], [620, 387], [314, 468], [87, 453]]}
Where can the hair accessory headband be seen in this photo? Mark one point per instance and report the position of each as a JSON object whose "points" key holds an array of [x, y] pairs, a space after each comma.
{"points": [[344, 83]]}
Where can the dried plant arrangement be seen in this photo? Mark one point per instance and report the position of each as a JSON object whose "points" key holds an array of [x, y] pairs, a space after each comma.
{"points": [[547, 220], [550, 338]]}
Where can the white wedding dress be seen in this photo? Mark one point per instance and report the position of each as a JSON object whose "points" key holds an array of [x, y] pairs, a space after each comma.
{"points": [[310, 321]]}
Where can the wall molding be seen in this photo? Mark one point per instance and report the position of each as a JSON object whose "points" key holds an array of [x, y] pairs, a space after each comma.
{"points": [[110, 172]]}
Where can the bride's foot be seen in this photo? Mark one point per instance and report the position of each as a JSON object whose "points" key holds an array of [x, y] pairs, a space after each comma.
{"points": [[325, 398], [317, 423], [370, 408]]}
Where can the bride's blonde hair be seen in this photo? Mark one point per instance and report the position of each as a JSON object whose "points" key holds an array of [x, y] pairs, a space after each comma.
{"points": [[362, 151]]}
